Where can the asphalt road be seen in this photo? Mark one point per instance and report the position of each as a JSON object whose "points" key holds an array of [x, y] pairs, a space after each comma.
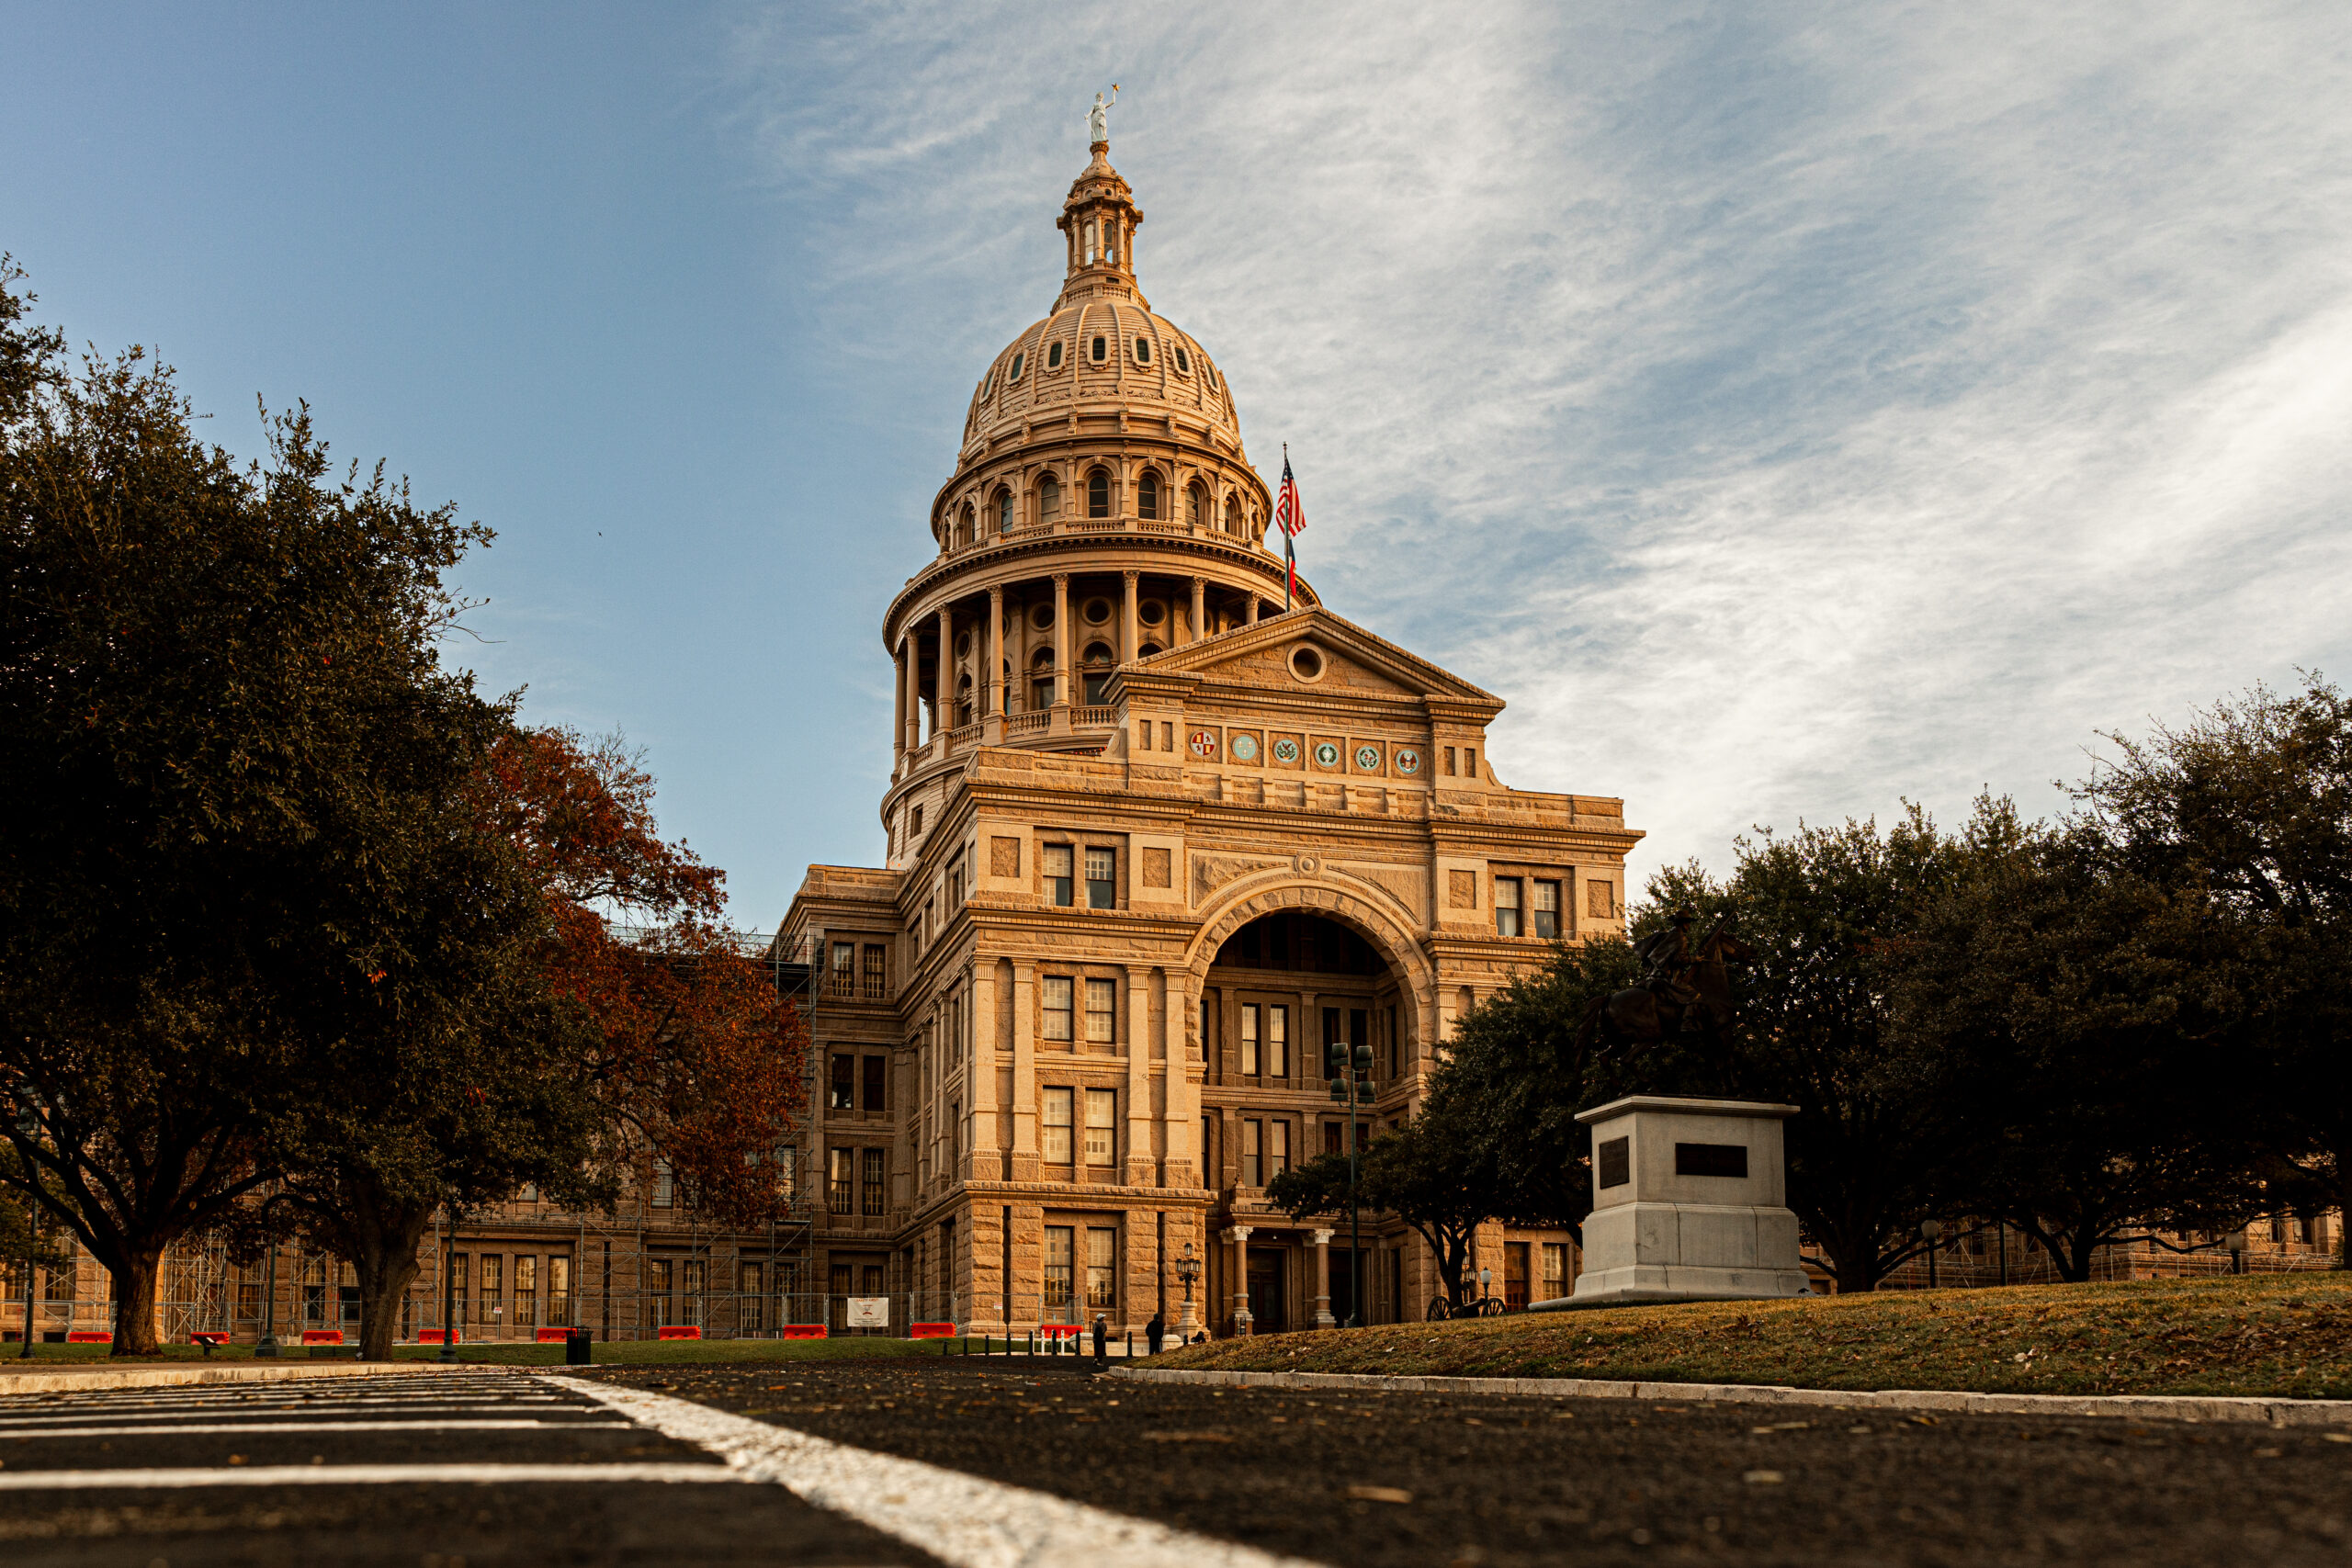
{"points": [[391, 1470], [1506, 1482]]}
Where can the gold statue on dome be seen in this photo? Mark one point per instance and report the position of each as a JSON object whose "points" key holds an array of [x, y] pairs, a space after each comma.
{"points": [[1098, 119]]}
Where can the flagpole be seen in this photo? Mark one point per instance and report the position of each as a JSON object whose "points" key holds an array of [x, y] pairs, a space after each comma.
{"points": [[1290, 560]]}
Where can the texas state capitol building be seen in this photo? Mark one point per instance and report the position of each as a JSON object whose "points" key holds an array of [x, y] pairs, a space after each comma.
{"points": [[1152, 841]]}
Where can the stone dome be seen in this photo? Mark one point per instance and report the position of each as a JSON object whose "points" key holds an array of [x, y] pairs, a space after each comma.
{"points": [[1096, 349]]}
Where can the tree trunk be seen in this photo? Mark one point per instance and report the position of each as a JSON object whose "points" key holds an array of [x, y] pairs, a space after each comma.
{"points": [[2344, 1207], [135, 1279], [385, 1263]]}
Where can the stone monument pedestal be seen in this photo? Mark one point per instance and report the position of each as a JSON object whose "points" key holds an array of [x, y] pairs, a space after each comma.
{"points": [[1689, 1204]]}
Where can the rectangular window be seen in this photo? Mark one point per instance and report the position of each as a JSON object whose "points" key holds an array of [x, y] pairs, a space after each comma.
{"points": [[877, 986], [1249, 1039], [1060, 1242], [1277, 1148], [837, 1280], [665, 1187], [1507, 910], [1058, 1106], [1058, 1005], [1335, 1137], [1101, 1267], [1515, 1275], [788, 1170], [955, 879], [1208, 1048], [526, 1291], [1254, 1158], [1556, 1271], [844, 1083], [1101, 879], [1101, 1127], [1058, 890], [844, 955], [493, 1288], [841, 1180], [876, 1162], [1277, 1051], [1449, 761], [558, 1289], [873, 1279], [1470, 761], [659, 1275], [750, 1316], [1334, 1061], [1101, 1012], [1547, 911], [875, 1099]]}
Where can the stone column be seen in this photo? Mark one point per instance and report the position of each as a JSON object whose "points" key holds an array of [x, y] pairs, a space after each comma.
{"points": [[1253, 606], [1323, 1318], [992, 687], [944, 688], [1200, 610], [1064, 693], [1025, 1073], [1239, 1236], [1138, 1168], [1127, 619], [914, 691], [899, 711]]}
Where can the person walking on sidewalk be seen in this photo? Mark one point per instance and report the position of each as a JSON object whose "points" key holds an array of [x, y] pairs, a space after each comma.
{"points": [[1155, 1333], [1101, 1340]]}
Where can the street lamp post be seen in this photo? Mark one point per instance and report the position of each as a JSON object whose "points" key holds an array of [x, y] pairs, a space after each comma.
{"points": [[1351, 1077], [1188, 1269], [267, 1344], [448, 1288], [1929, 1231]]}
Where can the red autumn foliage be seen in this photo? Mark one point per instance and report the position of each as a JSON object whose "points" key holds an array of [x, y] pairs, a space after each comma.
{"points": [[689, 1047]]}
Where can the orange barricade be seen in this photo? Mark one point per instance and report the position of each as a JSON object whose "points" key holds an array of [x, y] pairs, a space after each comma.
{"points": [[89, 1336], [433, 1337], [556, 1335], [322, 1336], [804, 1331], [681, 1331], [930, 1331]]}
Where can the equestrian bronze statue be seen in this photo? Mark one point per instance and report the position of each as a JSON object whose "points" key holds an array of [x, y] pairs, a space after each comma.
{"points": [[1685, 995]]}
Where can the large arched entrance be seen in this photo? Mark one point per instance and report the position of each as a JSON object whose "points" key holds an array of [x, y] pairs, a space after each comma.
{"points": [[1285, 993]]}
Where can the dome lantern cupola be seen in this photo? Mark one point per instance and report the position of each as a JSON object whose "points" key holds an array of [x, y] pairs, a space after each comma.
{"points": [[1097, 222]]}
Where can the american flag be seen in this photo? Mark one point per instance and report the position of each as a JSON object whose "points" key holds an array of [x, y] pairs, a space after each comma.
{"points": [[1289, 517]]}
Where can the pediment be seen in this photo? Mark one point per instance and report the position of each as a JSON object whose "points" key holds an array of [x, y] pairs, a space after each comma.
{"points": [[1352, 661]]}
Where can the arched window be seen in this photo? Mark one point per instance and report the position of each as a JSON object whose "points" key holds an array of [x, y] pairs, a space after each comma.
{"points": [[964, 531], [1004, 512], [1148, 650], [1099, 348], [1197, 501], [1054, 355], [1098, 493], [964, 714], [1014, 375], [1049, 498], [1183, 363], [1041, 681], [1148, 496], [1095, 668], [1232, 513], [1143, 351], [1004, 688]]}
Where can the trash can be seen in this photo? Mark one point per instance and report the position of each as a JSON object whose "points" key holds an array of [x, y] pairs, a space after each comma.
{"points": [[577, 1345]]}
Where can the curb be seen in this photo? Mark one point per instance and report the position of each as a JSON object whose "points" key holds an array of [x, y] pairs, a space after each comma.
{"points": [[2139, 1407], [167, 1377]]}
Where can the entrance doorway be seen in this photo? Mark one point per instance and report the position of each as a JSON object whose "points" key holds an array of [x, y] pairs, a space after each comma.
{"points": [[1266, 1293]]}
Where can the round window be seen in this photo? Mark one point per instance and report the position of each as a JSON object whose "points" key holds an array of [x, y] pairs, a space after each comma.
{"points": [[1042, 616], [1151, 612], [1143, 351], [1305, 663], [1097, 612], [964, 646]]}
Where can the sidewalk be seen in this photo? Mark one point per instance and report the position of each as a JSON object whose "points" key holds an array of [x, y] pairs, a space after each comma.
{"points": [[64, 1380]]}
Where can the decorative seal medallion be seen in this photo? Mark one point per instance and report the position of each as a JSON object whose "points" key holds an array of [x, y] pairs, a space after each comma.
{"points": [[1204, 743], [1285, 750], [1407, 760], [1245, 749], [1327, 755], [1368, 759]]}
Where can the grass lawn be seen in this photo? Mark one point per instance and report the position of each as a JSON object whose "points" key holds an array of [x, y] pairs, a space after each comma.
{"points": [[631, 1352], [2266, 1335]]}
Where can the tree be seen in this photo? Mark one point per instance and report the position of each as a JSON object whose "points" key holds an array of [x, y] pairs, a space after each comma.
{"points": [[195, 661], [2095, 1023], [1830, 912], [1422, 1173], [2252, 801]]}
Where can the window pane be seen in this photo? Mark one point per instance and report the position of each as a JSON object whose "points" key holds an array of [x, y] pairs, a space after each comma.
{"points": [[1101, 879], [1249, 1038], [1101, 1267], [1278, 1042], [1556, 1271], [1253, 1136], [1057, 1007], [1057, 1109], [1101, 1012], [1277, 1148], [1060, 1242], [1058, 875], [1547, 909], [873, 1095], [1102, 1131], [1506, 906], [844, 1083], [875, 1161]]}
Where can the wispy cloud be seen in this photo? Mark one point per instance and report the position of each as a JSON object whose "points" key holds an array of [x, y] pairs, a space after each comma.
{"points": [[1786, 408]]}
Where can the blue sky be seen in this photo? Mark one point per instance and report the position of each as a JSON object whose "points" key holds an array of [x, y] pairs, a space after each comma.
{"points": [[1789, 409]]}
